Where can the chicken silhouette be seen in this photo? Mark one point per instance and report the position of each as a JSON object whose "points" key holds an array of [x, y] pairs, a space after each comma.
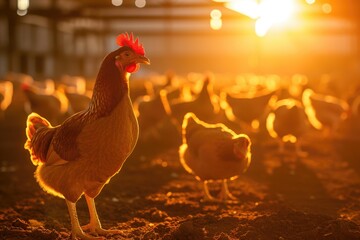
{"points": [[325, 112], [213, 152], [203, 105], [75, 91], [288, 123], [6, 95], [247, 109], [46, 101], [82, 154]]}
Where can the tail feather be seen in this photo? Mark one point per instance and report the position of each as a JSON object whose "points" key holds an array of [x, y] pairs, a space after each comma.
{"points": [[39, 134]]}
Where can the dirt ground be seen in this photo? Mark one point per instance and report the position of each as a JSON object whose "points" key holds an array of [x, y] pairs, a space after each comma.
{"points": [[279, 197]]}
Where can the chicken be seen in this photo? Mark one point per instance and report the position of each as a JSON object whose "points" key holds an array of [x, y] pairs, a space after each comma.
{"points": [[74, 84], [6, 95], [157, 129], [76, 93], [247, 109], [355, 106], [204, 105], [50, 104], [288, 123], [325, 112], [77, 102], [213, 152], [140, 88], [82, 154], [164, 81]]}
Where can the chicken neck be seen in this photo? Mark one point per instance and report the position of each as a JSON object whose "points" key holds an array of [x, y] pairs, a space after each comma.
{"points": [[110, 87]]}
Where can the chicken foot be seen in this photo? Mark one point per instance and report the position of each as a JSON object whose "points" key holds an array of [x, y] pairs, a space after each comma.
{"points": [[76, 230], [95, 226], [225, 194]]}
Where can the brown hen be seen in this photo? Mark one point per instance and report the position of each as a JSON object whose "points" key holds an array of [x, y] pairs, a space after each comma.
{"points": [[82, 154]]}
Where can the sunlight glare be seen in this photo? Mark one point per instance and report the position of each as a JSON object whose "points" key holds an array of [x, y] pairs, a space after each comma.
{"points": [[276, 11], [267, 12], [246, 7], [310, 2], [262, 27]]}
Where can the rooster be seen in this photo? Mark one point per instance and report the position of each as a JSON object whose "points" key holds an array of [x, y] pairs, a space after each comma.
{"points": [[82, 154], [213, 152]]}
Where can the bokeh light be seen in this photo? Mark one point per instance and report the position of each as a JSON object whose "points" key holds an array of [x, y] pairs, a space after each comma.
{"points": [[140, 3], [21, 12], [310, 2], [326, 8], [215, 24], [23, 4], [117, 2], [216, 13]]}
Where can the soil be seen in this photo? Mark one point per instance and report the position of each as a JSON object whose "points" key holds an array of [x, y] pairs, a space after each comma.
{"points": [[153, 197]]}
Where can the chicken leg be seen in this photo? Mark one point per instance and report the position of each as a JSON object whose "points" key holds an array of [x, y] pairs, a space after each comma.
{"points": [[299, 152], [95, 226], [76, 230], [281, 148], [225, 193], [208, 196]]}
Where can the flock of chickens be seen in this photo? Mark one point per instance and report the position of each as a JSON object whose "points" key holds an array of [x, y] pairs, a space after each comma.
{"points": [[212, 122], [252, 105]]}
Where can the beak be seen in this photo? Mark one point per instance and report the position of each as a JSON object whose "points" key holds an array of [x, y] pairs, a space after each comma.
{"points": [[143, 59]]}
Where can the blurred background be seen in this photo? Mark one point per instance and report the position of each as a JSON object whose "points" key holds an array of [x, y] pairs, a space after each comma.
{"points": [[284, 72], [50, 38]]}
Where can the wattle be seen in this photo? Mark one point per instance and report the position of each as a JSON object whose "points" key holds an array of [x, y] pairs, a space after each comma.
{"points": [[132, 67]]}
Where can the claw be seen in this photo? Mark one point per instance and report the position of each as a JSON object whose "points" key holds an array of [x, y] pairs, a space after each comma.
{"points": [[98, 230], [225, 195], [84, 236]]}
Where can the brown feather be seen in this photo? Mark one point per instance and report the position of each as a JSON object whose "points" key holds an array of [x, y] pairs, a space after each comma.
{"points": [[39, 136]]}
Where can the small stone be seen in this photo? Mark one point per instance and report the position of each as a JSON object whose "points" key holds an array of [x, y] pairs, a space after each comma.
{"points": [[19, 223]]}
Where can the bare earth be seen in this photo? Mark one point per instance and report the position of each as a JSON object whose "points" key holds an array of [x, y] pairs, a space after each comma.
{"points": [[280, 197]]}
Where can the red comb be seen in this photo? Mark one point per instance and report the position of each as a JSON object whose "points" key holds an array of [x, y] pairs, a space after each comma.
{"points": [[125, 39]]}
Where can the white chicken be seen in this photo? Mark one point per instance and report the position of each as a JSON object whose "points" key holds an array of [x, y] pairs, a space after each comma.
{"points": [[213, 152]]}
